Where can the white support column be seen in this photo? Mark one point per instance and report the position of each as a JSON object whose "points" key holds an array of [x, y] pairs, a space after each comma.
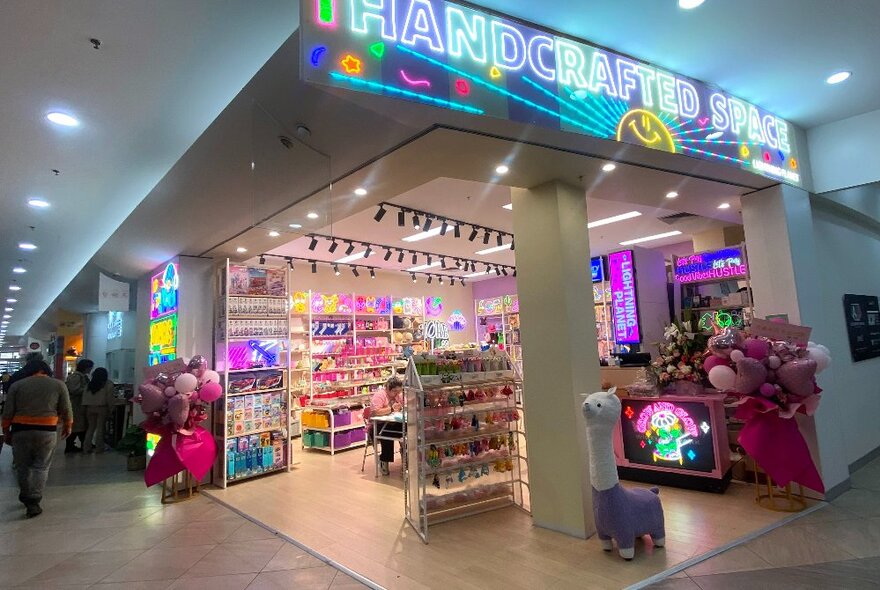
{"points": [[785, 277], [560, 356]]}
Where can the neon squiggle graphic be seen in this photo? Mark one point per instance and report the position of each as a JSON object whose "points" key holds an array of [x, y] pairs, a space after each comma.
{"points": [[269, 356], [407, 93], [425, 83]]}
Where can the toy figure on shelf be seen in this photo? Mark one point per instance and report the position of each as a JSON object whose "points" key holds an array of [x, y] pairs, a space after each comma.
{"points": [[620, 514], [449, 480]]}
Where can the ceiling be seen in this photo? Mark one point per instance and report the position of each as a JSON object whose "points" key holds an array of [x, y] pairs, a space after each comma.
{"points": [[775, 53], [159, 152], [164, 71]]}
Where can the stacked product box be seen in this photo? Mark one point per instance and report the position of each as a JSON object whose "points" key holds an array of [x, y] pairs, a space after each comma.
{"points": [[253, 454]]}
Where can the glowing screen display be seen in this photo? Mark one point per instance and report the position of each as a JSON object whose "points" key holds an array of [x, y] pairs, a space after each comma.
{"points": [[727, 263], [668, 434], [624, 301], [452, 56]]}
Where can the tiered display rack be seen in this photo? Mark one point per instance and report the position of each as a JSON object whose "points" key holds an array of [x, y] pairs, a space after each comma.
{"points": [[344, 340], [407, 321], [462, 437], [500, 312], [252, 354]]}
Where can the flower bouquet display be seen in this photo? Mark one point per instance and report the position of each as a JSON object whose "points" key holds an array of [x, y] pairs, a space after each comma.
{"points": [[679, 367], [175, 402], [775, 381]]}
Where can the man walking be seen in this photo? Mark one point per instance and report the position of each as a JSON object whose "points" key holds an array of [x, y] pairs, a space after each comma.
{"points": [[33, 408]]}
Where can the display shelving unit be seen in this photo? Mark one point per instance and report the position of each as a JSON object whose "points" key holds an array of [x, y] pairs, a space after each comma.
{"points": [[462, 441], [348, 339], [719, 303], [407, 321], [252, 352]]}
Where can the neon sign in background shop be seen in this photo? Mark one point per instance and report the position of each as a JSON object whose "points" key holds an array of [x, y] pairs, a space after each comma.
{"points": [[447, 55], [727, 263], [668, 434], [164, 302], [163, 339], [624, 303]]}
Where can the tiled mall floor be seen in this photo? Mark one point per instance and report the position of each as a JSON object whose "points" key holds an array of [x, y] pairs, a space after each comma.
{"points": [[102, 529], [837, 547]]}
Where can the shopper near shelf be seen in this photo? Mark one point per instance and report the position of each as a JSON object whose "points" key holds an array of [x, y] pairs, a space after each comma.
{"points": [[383, 403], [33, 409], [97, 399], [76, 386]]}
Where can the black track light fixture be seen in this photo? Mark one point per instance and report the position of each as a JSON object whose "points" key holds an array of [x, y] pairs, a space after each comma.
{"points": [[452, 282], [313, 244], [290, 263], [333, 246], [372, 273], [462, 282], [457, 231], [497, 272], [440, 280], [354, 271], [414, 277], [380, 213], [401, 218], [444, 226], [473, 235], [504, 271], [430, 260], [314, 266], [486, 237], [417, 225], [368, 251], [430, 278], [443, 262], [350, 249], [512, 244], [514, 273], [428, 223], [387, 254], [415, 258], [400, 256], [499, 239], [336, 269], [262, 260]]}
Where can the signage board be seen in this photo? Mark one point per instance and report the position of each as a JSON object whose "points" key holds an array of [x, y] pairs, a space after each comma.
{"points": [[727, 263], [114, 325], [862, 314], [474, 61], [597, 269], [164, 291], [775, 330], [624, 300], [163, 339], [490, 307], [437, 332]]}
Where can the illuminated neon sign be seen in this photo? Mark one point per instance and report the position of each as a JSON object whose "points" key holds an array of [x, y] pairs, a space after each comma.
{"points": [[487, 307], [597, 269], [668, 429], [624, 302], [430, 50], [456, 321], [164, 288], [727, 263], [163, 339]]}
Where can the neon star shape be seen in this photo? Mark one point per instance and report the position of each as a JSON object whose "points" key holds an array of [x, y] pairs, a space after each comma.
{"points": [[629, 412], [692, 455], [351, 64], [705, 428]]}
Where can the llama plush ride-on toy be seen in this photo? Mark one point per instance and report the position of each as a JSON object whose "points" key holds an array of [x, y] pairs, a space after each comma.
{"points": [[620, 514]]}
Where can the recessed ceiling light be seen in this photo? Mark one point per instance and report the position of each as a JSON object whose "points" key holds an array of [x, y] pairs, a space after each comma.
{"points": [[838, 77], [295, 226], [615, 219], [62, 119], [426, 234], [6, 316], [724, 206], [27, 246], [274, 234], [312, 215], [14, 288], [508, 206], [668, 234], [609, 167], [360, 191], [671, 195], [502, 169], [38, 203], [495, 249], [352, 257], [19, 270], [241, 249], [423, 267], [11, 300], [9, 309], [689, 4]]}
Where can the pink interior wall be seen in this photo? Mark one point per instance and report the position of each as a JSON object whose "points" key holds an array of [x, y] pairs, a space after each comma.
{"points": [[494, 287]]}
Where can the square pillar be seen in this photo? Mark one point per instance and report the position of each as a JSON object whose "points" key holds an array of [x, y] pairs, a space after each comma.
{"points": [[560, 356]]}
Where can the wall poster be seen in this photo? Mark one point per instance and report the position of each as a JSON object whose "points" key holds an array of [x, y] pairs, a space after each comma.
{"points": [[862, 313]]}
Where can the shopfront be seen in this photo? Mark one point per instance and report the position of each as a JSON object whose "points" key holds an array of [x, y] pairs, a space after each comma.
{"points": [[464, 239]]}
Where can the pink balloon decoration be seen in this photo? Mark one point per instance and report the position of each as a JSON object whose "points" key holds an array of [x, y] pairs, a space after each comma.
{"points": [[210, 392], [722, 378], [178, 409], [797, 376], [170, 391], [774, 362], [756, 348], [152, 398], [186, 383], [713, 361], [750, 374], [210, 376], [737, 355], [767, 390]]}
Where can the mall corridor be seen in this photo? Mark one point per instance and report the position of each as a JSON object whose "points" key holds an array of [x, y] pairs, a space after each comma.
{"points": [[103, 529]]}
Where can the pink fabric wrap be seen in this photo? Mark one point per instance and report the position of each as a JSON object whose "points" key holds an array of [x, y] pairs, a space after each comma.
{"points": [[178, 451]]}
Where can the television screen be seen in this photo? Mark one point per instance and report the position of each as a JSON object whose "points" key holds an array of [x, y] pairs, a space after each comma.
{"points": [[668, 434], [597, 269]]}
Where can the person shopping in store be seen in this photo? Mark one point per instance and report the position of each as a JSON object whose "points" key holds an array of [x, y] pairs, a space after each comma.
{"points": [[76, 386], [383, 403], [97, 399]]}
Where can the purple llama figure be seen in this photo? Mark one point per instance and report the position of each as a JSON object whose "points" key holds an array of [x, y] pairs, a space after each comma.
{"points": [[620, 514]]}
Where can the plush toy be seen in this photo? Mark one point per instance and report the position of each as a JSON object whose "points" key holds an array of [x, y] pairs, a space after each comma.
{"points": [[620, 514]]}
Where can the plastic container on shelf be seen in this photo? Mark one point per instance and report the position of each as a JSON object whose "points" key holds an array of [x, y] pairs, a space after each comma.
{"points": [[341, 439], [341, 417]]}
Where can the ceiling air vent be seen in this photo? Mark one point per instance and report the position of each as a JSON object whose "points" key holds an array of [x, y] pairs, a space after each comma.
{"points": [[670, 219]]}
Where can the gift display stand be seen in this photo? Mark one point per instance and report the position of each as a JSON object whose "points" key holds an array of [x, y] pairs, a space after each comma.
{"points": [[252, 355], [462, 439], [179, 487]]}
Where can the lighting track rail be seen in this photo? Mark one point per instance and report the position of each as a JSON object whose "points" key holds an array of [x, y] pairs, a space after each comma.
{"points": [[446, 224]]}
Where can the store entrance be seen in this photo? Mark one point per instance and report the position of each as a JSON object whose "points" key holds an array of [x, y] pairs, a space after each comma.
{"points": [[414, 255]]}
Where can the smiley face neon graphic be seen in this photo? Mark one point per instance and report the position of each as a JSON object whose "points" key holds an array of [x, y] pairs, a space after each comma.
{"points": [[643, 127]]}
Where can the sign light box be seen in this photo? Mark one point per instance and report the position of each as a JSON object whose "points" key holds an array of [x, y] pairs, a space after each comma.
{"points": [[164, 303], [727, 263], [597, 269], [473, 61], [624, 302], [114, 325]]}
